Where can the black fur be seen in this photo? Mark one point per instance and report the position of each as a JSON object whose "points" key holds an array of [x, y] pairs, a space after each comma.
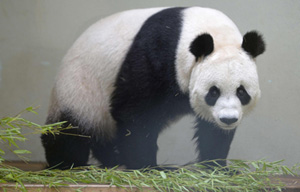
{"points": [[203, 45], [243, 96], [253, 43], [212, 96]]}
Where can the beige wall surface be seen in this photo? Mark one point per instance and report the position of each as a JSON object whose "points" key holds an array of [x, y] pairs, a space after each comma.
{"points": [[35, 34]]}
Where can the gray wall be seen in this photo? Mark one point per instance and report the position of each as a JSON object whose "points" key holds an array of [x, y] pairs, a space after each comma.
{"points": [[34, 36]]}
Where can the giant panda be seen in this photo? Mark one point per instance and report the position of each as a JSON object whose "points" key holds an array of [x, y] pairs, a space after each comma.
{"points": [[128, 76]]}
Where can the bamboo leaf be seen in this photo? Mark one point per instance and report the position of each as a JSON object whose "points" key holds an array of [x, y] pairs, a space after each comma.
{"points": [[21, 151], [163, 175], [2, 152]]}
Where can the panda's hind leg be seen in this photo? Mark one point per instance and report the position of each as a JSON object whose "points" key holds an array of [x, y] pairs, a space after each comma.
{"points": [[70, 148]]}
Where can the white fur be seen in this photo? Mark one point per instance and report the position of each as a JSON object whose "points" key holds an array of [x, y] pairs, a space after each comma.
{"points": [[88, 72]]}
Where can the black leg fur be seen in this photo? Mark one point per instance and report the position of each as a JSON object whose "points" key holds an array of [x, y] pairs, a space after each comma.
{"points": [[106, 152], [212, 142], [67, 149], [137, 143]]}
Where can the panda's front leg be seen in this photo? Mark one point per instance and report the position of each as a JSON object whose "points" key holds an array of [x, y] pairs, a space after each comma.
{"points": [[213, 143], [137, 145]]}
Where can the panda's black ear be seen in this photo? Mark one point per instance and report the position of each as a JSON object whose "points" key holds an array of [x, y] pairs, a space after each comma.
{"points": [[253, 43], [202, 45]]}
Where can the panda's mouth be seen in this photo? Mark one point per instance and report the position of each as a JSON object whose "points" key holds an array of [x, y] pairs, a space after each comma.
{"points": [[228, 127]]}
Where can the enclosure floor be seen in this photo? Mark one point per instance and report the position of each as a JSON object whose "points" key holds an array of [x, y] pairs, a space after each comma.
{"points": [[32, 166], [292, 183]]}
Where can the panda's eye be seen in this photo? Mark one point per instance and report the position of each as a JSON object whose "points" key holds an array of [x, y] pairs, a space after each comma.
{"points": [[214, 92], [240, 92], [212, 96], [243, 96]]}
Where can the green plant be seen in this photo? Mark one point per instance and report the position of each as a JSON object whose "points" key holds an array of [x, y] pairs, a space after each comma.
{"points": [[11, 132]]}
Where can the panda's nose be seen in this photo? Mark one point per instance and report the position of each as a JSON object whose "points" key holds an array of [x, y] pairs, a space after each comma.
{"points": [[228, 121]]}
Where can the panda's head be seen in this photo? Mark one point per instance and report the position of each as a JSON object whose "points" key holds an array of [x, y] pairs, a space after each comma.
{"points": [[224, 82]]}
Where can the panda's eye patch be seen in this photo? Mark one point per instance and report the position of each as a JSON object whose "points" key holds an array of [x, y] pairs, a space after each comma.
{"points": [[212, 96], [243, 96]]}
